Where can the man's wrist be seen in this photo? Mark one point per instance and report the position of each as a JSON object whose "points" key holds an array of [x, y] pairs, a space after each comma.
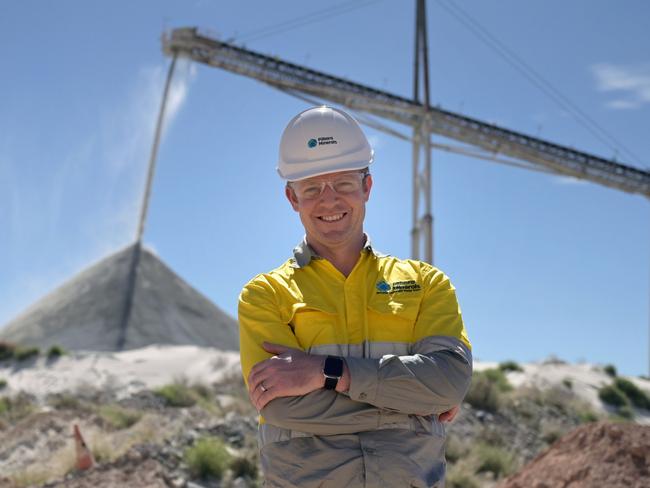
{"points": [[344, 382]]}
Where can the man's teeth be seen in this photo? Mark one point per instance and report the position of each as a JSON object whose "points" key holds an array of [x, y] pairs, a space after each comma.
{"points": [[332, 218]]}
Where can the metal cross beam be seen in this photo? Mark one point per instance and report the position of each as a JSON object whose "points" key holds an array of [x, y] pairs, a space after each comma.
{"points": [[496, 140]]}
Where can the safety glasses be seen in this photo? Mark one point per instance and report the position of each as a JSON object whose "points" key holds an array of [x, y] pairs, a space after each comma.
{"points": [[343, 185]]}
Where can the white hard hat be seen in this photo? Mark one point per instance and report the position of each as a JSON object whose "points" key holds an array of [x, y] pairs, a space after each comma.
{"points": [[322, 140]]}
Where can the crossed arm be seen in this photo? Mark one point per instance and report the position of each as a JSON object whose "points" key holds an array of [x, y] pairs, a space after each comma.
{"points": [[294, 373]]}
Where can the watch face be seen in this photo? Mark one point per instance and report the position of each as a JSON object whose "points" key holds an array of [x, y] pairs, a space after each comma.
{"points": [[333, 367]]}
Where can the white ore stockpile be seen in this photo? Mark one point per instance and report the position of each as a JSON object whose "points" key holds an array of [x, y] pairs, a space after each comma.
{"points": [[86, 312]]}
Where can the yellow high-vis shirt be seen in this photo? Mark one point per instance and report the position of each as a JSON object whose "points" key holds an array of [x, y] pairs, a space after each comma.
{"points": [[398, 326]]}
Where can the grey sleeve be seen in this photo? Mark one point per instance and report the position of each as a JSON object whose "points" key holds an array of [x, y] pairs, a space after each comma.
{"points": [[382, 391], [431, 380], [323, 412]]}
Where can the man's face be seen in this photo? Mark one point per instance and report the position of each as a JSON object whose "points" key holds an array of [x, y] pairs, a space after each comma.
{"points": [[331, 218]]}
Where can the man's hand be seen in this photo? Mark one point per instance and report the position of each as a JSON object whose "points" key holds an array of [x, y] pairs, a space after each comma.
{"points": [[291, 372], [449, 415]]}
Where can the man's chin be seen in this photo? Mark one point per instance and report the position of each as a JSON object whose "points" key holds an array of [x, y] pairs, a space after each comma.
{"points": [[332, 237]]}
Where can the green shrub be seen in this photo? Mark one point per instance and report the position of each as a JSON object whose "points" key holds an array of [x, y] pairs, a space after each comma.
{"points": [[119, 417], [568, 383], [611, 395], [551, 435], [7, 350], [625, 412], [510, 366], [244, 466], [637, 396], [558, 398], [498, 377], [204, 396], [483, 394], [64, 401], [491, 436], [493, 459], [454, 449], [177, 395], [203, 391], [610, 369], [25, 353], [3, 383], [460, 479], [587, 415], [486, 388], [102, 449], [207, 458], [16, 408], [55, 352]]}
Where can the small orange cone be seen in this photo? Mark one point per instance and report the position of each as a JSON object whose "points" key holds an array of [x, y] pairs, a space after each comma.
{"points": [[84, 457]]}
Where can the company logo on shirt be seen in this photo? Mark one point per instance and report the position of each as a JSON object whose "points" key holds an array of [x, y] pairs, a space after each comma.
{"points": [[312, 143], [384, 287]]}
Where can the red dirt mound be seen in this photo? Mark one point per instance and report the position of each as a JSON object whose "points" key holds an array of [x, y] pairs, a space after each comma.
{"points": [[592, 456]]}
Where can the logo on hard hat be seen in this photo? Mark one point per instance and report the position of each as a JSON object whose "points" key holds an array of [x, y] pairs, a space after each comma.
{"points": [[312, 143]]}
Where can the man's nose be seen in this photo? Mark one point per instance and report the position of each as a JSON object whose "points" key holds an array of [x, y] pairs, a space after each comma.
{"points": [[328, 193]]}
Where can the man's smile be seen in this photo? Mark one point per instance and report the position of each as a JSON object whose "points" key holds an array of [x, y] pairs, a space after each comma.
{"points": [[333, 218]]}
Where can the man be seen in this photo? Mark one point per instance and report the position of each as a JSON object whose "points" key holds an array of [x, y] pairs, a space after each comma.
{"points": [[353, 358]]}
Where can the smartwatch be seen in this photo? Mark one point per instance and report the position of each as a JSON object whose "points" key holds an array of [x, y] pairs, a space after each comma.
{"points": [[333, 370]]}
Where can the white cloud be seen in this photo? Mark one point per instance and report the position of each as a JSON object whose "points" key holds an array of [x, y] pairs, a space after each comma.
{"points": [[127, 138], [128, 131], [116, 151], [631, 82], [621, 104], [185, 73]]}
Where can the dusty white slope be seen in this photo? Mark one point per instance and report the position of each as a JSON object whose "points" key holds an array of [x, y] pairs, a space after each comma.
{"points": [[127, 372], [585, 379], [122, 373]]}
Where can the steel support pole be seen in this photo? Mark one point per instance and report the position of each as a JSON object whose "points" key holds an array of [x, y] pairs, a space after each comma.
{"points": [[415, 229], [422, 230], [427, 218], [132, 276], [416, 58], [154, 150]]}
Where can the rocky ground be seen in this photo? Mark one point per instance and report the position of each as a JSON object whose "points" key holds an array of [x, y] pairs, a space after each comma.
{"points": [[594, 455], [148, 449], [141, 432]]}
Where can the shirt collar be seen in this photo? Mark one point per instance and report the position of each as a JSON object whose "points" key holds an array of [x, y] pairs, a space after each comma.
{"points": [[303, 253]]}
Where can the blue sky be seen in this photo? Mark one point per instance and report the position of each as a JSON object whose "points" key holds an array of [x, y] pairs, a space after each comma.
{"points": [[542, 264]]}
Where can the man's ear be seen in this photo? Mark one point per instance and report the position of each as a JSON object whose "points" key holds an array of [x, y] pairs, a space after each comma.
{"points": [[291, 196], [367, 186]]}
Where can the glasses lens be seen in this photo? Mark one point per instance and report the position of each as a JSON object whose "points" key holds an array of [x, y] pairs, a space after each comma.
{"points": [[346, 184], [309, 190]]}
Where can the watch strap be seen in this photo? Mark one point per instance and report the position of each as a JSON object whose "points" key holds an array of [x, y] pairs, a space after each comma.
{"points": [[330, 383]]}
